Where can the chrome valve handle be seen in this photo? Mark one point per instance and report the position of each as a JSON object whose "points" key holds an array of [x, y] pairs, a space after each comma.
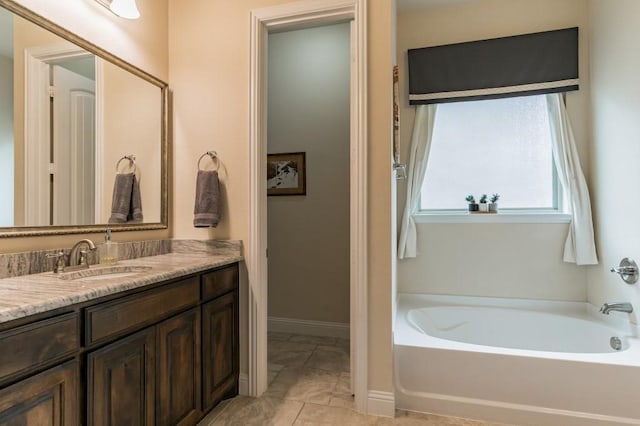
{"points": [[628, 270]]}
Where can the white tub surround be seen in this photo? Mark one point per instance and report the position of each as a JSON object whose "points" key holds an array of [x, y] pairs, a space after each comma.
{"points": [[515, 361]]}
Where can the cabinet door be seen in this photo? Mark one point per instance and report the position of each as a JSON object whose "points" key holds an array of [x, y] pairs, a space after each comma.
{"points": [[121, 382], [49, 398], [220, 349], [179, 369]]}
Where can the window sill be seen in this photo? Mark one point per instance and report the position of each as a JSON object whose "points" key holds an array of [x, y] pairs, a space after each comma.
{"points": [[508, 217]]}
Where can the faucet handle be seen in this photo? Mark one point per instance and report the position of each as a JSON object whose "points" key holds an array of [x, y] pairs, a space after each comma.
{"points": [[83, 258], [60, 261], [628, 270]]}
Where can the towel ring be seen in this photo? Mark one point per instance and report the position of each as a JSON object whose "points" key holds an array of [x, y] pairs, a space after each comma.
{"points": [[132, 161], [214, 158]]}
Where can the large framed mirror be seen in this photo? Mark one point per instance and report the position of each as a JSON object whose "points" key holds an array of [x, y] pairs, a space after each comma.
{"points": [[72, 118]]}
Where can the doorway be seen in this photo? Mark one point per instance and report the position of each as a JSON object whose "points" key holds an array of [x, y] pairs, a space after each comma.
{"points": [[263, 22], [308, 135]]}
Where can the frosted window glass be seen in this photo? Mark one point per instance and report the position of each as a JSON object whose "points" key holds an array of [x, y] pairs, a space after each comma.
{"points": [[491, 146]]}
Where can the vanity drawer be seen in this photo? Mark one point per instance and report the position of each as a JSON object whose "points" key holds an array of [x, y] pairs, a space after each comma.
{"points": [[35, 345], [219, 282], [127, 314]]}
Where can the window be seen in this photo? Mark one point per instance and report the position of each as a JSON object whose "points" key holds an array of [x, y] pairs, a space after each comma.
{"points": [[491, 146]]}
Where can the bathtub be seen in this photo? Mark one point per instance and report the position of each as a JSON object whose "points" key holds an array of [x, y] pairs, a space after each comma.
{"points": [[517, 362]]}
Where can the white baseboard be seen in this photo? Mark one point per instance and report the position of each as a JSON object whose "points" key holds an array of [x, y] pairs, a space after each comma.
{"points": [[243, 384], [508, 413], [381, 404], [309, 328]]}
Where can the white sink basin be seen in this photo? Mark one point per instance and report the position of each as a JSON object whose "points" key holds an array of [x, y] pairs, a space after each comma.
{"points": [[96, 273]]}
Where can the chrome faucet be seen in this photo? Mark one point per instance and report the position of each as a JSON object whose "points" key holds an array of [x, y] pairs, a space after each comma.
{"points": [[78, 257], [621, 307]]}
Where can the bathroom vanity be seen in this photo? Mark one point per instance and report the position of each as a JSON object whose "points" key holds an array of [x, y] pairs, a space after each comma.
{"points": [[158, 347]]}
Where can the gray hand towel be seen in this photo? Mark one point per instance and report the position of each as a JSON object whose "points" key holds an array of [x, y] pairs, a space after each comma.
{"points": [[135, 208], [121, 201], [206, 210]]}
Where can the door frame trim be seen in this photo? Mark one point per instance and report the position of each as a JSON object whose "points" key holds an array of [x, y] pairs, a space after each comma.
{"points": [[290, 16]]}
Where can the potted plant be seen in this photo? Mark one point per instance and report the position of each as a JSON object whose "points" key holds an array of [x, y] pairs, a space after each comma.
{"points": [[473, 206], [493, 205], [484, 207]]}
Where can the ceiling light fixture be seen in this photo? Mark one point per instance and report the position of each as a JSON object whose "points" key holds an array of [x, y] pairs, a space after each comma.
{"points": [[123, 8]]}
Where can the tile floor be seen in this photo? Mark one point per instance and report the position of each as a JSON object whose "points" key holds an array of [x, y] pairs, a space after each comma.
{"points": [[309, 384]]}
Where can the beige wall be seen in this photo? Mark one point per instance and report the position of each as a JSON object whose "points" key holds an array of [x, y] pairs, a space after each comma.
{"points": [[209, 61], [615, 149], [309, 112], [500, 260], [142, 43]]}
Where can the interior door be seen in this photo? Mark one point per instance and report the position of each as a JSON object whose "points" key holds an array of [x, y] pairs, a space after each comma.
{"points": [[73, 147]]}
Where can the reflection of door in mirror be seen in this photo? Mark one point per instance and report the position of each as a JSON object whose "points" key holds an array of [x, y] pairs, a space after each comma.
{"points": [[73, 145], [60, 139]]}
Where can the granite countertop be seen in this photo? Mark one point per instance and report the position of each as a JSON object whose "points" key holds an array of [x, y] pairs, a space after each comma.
{"points": [[32, 294]]}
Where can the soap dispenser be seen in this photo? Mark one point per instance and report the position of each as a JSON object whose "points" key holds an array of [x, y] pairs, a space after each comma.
{"points": [[108, 250]]}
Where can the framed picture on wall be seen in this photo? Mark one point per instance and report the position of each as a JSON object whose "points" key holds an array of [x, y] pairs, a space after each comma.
{"points": [[286, 174]]}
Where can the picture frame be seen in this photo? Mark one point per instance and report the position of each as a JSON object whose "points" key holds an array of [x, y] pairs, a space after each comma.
{"points": [[286, 174]]}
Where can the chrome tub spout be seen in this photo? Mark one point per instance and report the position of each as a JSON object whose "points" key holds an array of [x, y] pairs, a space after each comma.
{"points": [[620, 307]]}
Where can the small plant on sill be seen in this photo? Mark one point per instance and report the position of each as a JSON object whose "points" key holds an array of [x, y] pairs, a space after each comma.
{"points": [[484, 207], [473, 206], [493, 205]]}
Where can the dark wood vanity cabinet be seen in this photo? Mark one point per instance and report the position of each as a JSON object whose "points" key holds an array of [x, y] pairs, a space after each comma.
{"points": [[46, 399], [220, 341], [151, 377], [121, 381], [159, 356], [220, 349], [39, 372], [178, 367]]}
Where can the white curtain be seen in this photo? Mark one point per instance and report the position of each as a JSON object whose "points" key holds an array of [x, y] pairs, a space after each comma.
{"points": [[579, 247], [420, 146]]}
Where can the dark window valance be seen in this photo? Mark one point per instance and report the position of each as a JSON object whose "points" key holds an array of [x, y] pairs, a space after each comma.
{"points": [[545, 62]]}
